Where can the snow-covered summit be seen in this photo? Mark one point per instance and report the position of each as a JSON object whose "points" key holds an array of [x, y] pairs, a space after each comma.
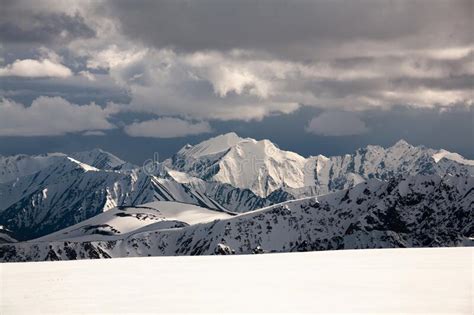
{"points": [[211, 146], [101, 159], [241, 162], [263, 168]]}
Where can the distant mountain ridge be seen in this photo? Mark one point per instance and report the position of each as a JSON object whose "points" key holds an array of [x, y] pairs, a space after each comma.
{"points": [[13, 167], [259, 172]]}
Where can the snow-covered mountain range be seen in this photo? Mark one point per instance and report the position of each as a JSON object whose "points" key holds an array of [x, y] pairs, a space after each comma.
{"points": [[98, 195], [415, 211], [247, 174], [263, 168], [68, 191]]}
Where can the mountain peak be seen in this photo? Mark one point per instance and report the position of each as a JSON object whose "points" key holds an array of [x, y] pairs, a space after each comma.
{"points": [[98, 158], [84, 166], [212, 146], [402, 143]]}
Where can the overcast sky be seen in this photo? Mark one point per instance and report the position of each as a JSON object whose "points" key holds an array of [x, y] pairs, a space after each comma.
{"points": [[316, 77]]}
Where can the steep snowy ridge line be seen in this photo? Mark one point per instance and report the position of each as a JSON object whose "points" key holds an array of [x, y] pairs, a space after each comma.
{"points": [[263, 168], [16, 166]]}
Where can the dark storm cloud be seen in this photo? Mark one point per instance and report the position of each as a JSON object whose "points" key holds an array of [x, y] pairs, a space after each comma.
{"points": [[77, 90], [295, 61], [21, 23], [291, 28]]}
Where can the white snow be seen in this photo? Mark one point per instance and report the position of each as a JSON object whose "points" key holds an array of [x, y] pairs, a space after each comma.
{"points": [[13, 167], [187, 213], [98, 157], [212, 146], [451, 156], [184, 178], [136, 218], [86, 167], [262, 167], [421, 281], [247, 163]]}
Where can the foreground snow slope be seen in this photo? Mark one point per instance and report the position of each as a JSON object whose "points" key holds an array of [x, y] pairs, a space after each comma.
{"points": [[122, 220], [402, 281]]}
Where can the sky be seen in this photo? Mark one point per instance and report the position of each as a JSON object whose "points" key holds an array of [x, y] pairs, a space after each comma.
{"points": [[315, 77]]}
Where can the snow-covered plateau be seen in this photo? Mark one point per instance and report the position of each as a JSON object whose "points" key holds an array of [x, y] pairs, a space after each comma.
{"points": [[382, 281]]}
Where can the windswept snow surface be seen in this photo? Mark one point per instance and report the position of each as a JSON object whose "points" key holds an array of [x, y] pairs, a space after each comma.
{"points": [[403, 281]]}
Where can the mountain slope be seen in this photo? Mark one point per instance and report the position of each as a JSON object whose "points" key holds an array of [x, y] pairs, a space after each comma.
{"points": [[13, 167], [417, 211], [102, 160], [16, 166], [68, 192], [125, 220]]}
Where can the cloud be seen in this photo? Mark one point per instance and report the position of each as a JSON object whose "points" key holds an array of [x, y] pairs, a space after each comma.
{"points": [[244, 86], [326, 54], [165, 83], [86, 74], [113, 56], [337, 124], [44, 22], [35, 68], [93, 133], [50, 116], [167, 127], [305, 30]]}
